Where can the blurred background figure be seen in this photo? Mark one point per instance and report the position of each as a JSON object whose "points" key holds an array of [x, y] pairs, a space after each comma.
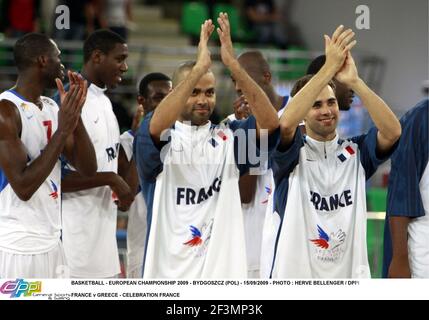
{"points": [[81, 20], [116, 15], [263, 18], [20, 17]]}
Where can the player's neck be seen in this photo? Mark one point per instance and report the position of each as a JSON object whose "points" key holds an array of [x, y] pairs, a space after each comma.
{"points": [[91, 75], [29, 88]]}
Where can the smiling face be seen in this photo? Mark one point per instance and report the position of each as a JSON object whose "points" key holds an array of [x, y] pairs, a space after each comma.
{"points": [[113, 65], [201, 103], [321, 121], [54, 68]]}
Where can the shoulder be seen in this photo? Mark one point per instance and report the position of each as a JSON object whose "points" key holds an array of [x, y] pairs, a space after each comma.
{"points": [[49, 102], [8, 109], [10, 119]]}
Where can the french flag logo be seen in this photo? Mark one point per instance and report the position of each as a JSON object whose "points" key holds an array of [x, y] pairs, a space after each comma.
{"points": [[222, 135], [347, 153], [54, 194], [213, 142]]}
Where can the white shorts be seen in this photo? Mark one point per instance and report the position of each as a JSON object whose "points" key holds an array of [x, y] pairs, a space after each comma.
{"points": [[51, 264]]}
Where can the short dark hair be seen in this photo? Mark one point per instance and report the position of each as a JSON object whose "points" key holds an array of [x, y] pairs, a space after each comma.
{"points": [[184, 66], [301, 82], [147, 79], [103, 40], [29, 47], [316, 64]]}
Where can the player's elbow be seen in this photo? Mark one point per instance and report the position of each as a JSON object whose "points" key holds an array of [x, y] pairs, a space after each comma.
{"points": [[394, 133], [273, 125], [270, 125], [287, 129], [88, 169]]}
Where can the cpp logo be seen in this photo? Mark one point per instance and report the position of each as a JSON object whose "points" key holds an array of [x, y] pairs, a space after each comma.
{"points": [[21, 287]]}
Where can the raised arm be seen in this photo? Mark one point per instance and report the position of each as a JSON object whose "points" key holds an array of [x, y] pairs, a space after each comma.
{"points": [[26, 179], [336, 49], [260, 105], [389, 128], [79, 150], [168, 111]]}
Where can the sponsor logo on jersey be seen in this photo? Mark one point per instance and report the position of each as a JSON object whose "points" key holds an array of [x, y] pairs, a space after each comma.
{"points": [[191, 196], [331, 203], [346, 154]]}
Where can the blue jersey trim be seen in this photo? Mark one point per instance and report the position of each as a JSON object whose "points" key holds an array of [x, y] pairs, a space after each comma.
{"points": [[3, 181], [18, 95]]}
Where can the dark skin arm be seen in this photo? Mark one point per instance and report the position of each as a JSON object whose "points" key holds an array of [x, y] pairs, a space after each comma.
{"points": [[76, 181], [128, 170], [247, 186], [79, 150], [400, 266], [73, 182], [26, 179]]}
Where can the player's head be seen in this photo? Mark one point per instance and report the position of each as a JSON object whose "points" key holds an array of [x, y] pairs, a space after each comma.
{"points": [[256, 67], [152, 89], [107, 52], [37, 52], [322, 119], [201, 103], [343, 93]]}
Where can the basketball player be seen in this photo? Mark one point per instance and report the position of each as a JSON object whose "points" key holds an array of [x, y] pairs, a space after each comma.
{"points": [[256, 190], [152, 89], [408, 198], [89, 210], [33, 135], [320, 178], [190, 179]]}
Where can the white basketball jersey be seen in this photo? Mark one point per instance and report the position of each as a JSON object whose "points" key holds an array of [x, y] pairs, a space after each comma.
{"points": [[89, 216], [33, 226], [137, 221], [197, 223]]}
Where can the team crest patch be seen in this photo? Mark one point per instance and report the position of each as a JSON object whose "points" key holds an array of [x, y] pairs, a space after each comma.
{"points": [[200, 238], [213, 142], [222, 135], [196, 237], [329, 248], [54, 193], [268, 191], [219, 135], [346, 154]]}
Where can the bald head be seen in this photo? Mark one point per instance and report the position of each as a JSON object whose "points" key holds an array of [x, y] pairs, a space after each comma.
{"points": [[254, 62]]}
